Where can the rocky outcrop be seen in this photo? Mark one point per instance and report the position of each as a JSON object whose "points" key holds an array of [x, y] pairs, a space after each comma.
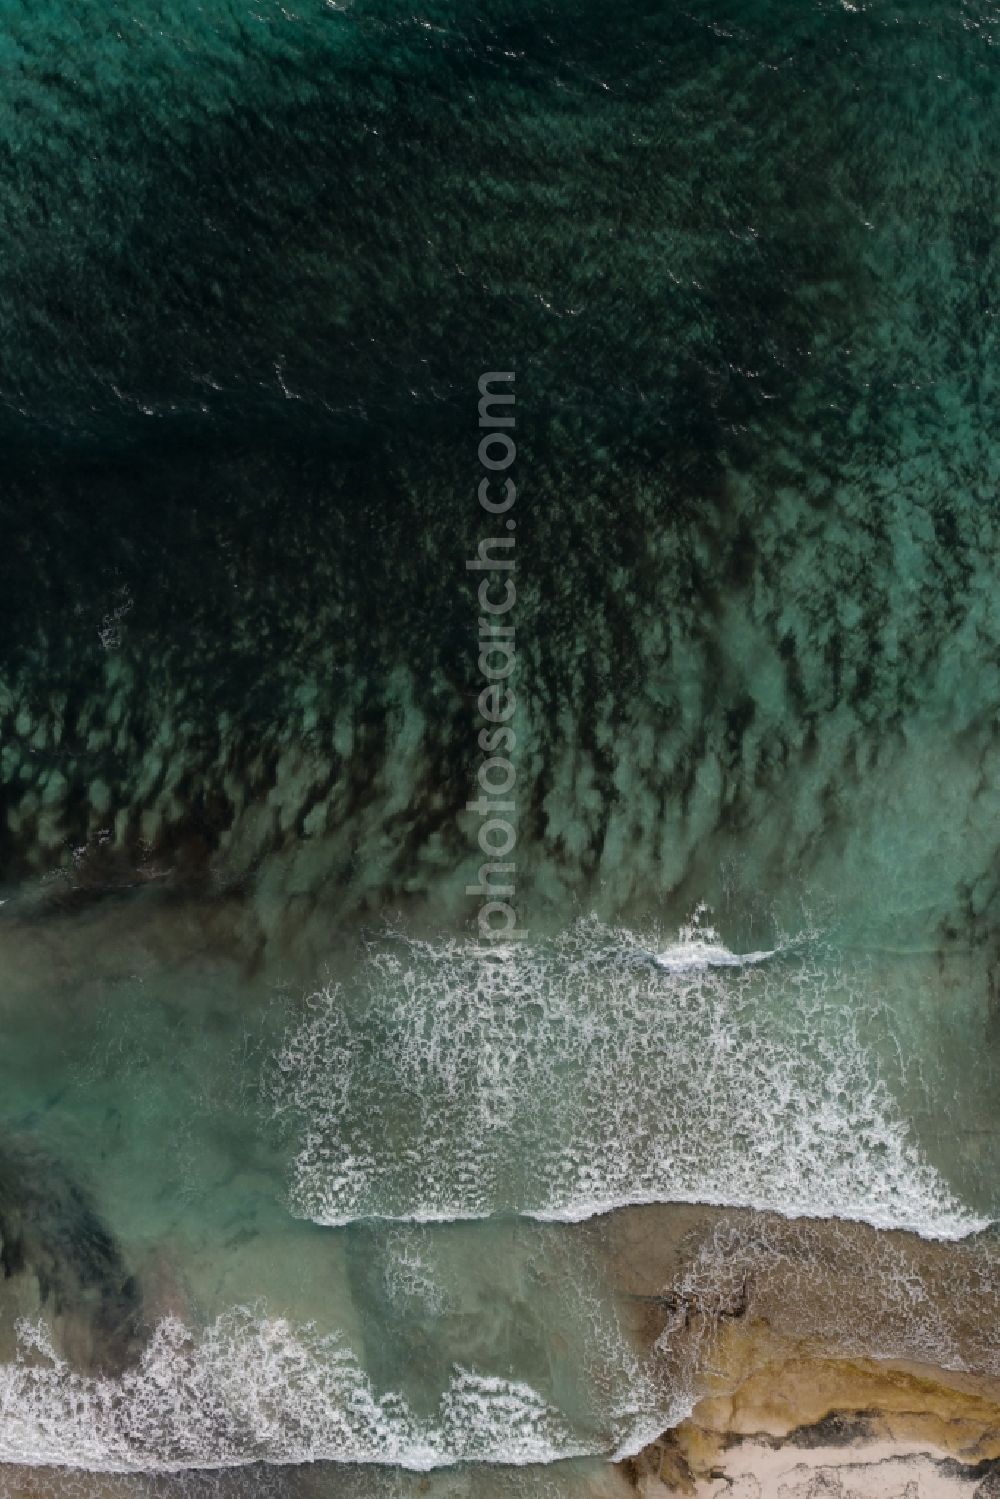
{"points": [[784, 1420], [772, 1326]]}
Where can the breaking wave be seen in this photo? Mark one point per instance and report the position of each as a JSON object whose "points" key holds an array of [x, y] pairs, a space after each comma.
{"points": [[252, 1389], [698, 947], [597, 1069]]}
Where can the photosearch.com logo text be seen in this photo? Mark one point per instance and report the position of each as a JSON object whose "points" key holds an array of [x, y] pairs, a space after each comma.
{"points": [[496, 776]]}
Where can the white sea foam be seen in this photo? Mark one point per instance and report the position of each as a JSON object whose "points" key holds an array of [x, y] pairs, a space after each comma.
{"points": [[855, 1294], [686, 955], [578, 1075], [698, 947], [253, 1388], [409, 1278]]}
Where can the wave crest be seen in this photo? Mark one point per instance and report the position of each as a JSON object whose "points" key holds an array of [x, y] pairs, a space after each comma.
{"points": [[578, 1074]]}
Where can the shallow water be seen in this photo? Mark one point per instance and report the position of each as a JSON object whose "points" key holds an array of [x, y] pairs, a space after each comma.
{"points": [[299, 1190], [212, 1126]]}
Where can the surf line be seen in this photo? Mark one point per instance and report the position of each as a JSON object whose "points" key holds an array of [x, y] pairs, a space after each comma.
{"points": [[496, 775]]}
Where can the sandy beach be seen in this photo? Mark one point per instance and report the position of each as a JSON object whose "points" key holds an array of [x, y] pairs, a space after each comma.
{"points": [[865, 1470]]}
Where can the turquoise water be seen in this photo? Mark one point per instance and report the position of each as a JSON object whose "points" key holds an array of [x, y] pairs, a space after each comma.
{"points": [[297, 1191]]}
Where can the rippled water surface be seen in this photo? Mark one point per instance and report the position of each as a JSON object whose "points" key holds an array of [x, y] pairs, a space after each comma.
{"points": [[300, 1193]]}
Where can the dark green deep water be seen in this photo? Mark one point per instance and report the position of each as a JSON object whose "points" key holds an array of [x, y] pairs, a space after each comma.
{"points": [[278, 1171]]}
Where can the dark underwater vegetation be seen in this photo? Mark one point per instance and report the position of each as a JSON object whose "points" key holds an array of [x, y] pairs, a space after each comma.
{"points": [[287, 1177]]}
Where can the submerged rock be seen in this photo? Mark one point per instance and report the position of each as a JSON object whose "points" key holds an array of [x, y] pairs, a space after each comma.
{"points": [[51, 1232]]}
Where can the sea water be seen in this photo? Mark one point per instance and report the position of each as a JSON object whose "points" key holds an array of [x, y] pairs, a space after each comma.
{"points": [[298, 1192], [350, 1224]]}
